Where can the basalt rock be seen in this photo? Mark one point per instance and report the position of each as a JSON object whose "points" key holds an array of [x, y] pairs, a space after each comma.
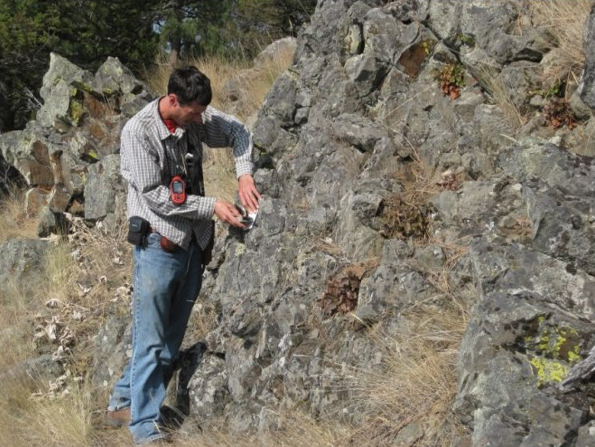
{"points": [[75, 136], [381, 148], [339, 137]]}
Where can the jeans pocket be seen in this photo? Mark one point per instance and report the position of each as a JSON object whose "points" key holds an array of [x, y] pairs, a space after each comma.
{"points": [[153, 240]]}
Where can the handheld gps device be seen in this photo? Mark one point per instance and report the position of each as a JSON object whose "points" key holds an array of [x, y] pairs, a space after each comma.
{"points": [[177, 189]]}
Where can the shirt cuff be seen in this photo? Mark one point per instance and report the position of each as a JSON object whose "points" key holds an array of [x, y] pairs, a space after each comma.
{"points": [[206, 210], [244, 168]]}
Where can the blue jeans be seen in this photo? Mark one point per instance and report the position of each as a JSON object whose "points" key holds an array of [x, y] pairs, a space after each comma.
{"points": [[165, 288]]}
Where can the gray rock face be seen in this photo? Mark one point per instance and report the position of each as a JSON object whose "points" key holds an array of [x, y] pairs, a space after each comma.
{"points": [[113, 349], [560, 193], [531, 323], [20, 261], [39, 371], [103, 185], [59, 90], [587, 85], [372, 160], [336, 134]]}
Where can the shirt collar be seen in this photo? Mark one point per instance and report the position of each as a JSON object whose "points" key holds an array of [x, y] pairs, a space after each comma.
{"points": [[162, 129]]}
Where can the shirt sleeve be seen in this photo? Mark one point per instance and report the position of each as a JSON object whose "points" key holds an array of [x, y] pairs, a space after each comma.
{"points": [[140, 167], [224, 130]]}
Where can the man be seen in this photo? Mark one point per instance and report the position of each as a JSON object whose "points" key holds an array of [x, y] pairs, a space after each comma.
{"points": [[161, 159]]}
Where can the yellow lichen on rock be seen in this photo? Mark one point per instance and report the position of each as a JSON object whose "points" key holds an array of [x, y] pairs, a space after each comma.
{"points": [[548, 370]]}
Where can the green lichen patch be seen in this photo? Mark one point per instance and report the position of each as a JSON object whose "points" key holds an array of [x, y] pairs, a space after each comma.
{"points": [[76, 111], [555, 347], [555, 341], [548, 370]]}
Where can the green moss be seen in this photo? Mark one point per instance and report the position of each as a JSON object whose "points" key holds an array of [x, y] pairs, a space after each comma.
{"points": [[428, 46], [548, 370], [466, 39], [86, 87], [75, 112]]}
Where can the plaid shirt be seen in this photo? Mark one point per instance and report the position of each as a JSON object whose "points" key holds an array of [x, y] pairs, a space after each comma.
{"points": [[151, 156]]}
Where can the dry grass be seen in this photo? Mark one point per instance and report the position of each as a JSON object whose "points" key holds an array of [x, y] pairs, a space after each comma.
{"points": [[416, 382], [565, 21], [14, 221], [27, 421], [503, 97], [68, 298]]}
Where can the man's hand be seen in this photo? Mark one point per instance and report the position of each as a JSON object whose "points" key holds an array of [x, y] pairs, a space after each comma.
{"points": [[248, 193], [228, 213]]}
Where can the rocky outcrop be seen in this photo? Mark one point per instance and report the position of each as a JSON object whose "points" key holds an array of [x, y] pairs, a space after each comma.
{"points": [[403, 129], [587, 86], [74, 137], [337, 136], [20, 260]]}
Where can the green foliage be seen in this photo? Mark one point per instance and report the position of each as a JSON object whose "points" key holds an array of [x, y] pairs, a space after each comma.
{"points": [[451, 79], [88, 31], [84, 31], [190, 28]]}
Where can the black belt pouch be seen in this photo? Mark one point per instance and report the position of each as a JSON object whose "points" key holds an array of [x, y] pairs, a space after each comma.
{"points": [[137, 230]]}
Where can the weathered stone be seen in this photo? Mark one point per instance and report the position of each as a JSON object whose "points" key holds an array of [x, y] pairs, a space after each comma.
{"points": [[516, 345], [358, 131], [113, 77], [100, 194], [113, 349], [586, 87], [586, 435], [20, 263], [35, 200], [38, 371], [209, 392], [60, 86], [280, 101], [534, 158]]}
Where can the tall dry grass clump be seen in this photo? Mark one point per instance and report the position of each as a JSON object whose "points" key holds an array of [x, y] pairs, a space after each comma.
{"points": [[565, 22], [14, 220], [27, 420], [415, 385], [502, 95]]}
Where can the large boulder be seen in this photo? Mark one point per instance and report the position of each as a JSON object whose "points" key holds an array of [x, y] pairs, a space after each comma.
{"points": [[530, 325], [74, 141]]}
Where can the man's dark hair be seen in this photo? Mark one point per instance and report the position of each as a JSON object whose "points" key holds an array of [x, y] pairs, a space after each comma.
{"points": [[189, 84]]}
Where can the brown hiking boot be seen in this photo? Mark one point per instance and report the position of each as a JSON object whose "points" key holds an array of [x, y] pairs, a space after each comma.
{"points": [[118, 418]]}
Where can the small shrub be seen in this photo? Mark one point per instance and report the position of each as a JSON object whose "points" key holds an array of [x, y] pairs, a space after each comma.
{"points": [[452, 79], [404, 219], [558, 113], [340, 294]]}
